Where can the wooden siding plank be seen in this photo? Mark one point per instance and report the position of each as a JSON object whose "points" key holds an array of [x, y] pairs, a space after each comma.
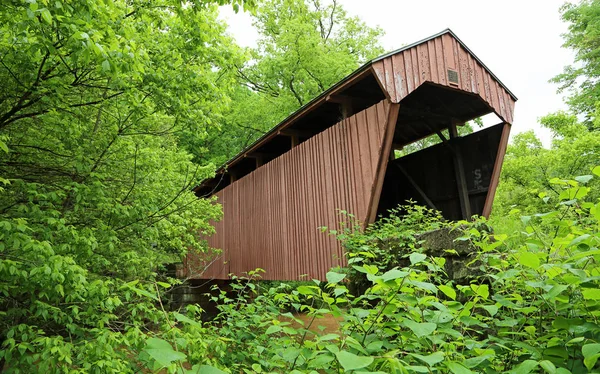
{"points": [[424, 69], [494, 94], [415, 67], [408, 62], [455, 52], [441, 64], [464, 69], [389, 78], [448, 52], [433, 67], [399, 76]]}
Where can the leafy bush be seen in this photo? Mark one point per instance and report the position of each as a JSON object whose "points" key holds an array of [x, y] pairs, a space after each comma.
{"points": [[535, 308]]}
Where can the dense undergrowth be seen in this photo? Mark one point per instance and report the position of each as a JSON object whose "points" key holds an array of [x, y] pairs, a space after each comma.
{"points": [[533, 306]]}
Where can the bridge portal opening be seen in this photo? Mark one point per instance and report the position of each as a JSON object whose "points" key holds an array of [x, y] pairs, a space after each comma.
{"points": [[439, 168]]}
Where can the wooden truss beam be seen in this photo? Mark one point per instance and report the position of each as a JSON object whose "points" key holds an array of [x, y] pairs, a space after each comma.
{"points": [[416, 186]]}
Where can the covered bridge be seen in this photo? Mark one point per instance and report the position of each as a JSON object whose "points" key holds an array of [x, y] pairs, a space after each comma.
{"points": [[337, 153]]}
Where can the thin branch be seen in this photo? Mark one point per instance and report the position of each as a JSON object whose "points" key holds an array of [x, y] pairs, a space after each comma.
{"points": [[134, 175]]}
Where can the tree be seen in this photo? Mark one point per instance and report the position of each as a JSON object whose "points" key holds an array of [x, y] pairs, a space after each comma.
{"points": [[582, 79], [530, 172], [304, 48], [96, 187]]}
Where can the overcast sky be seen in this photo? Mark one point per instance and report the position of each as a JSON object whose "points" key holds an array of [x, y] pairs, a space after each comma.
{"points": [[519, 40]]}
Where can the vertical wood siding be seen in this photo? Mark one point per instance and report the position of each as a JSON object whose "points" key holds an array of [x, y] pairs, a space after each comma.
{"points": [[271, 217], [405, 71]]}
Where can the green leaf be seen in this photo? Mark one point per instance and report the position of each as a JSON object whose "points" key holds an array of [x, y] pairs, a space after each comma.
{"points": [[333, 277], [420, 329], [431, 359], [416, 257], [529, 259], [476, 361], [591, 352], [105, 65], [350, 361], [525, 367], [205, 369], [418, 369], [596, 171], [548, 366], [482, 290], [185, 319], [491, 309], [273, 329], [457, 368], [591, 293], [393, 274], [583, 179], [46, 15], [448, 291], [162, 352], [555, 291], [320, 361]]}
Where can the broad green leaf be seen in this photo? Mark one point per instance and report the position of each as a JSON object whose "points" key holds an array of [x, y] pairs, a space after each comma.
{"points": [[562, 371], [576, 340], [420, 329], [491, 309], [162, 352], [473, 362], [583, 179], [183, 318], [596, 170], [555, 291], [328, 337], [482, 290], [548, 366], [525, 367], [205, 369], [273, 329], [45, 13], [448, 291], [591, 353], [393, 274], [350, 361], [431, 359], [416, 257], [591, 293], [320, 361], [457, 368], [333, 277], [529, 259], [418, 369], [143, 292]]}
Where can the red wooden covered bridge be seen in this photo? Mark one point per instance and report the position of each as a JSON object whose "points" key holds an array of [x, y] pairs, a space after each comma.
{"points": [[337, 153]]}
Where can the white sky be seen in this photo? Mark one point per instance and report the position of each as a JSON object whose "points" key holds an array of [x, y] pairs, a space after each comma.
{"points": [[519, 40]]}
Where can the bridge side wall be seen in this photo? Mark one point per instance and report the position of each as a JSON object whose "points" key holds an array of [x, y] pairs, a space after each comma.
{"points": [[272, 216]]}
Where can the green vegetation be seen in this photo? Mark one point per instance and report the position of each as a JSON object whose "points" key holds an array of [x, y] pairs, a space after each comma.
{"points": [[304, 48], [112, 110]]}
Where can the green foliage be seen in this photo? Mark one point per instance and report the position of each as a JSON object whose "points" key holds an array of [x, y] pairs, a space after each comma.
{"points": [[529, 170], [533, 308], [95, 184], [580, 80], [304, 48]]}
